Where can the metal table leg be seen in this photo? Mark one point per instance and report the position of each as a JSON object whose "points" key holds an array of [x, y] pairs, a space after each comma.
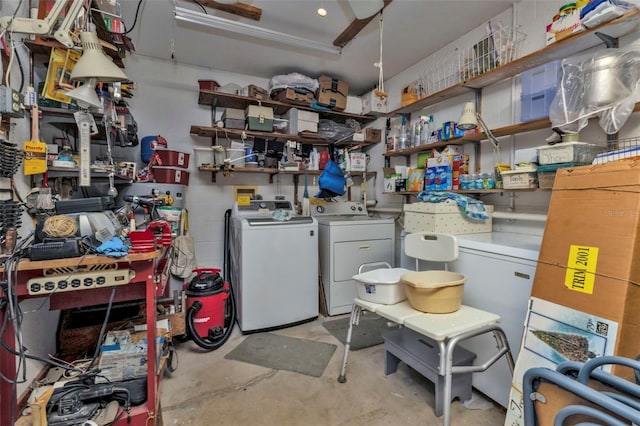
{"points": [[446, 355], [354, 320]]}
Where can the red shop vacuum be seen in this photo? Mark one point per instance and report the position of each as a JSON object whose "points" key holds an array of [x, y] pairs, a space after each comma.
{"points": [[210, 309]]}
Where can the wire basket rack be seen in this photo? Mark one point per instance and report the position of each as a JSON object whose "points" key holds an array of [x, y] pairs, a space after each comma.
{"points": [[619, 149], [500, 47]]}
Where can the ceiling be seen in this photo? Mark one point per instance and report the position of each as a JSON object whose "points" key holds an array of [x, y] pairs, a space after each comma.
{"points": [[412, 30]]}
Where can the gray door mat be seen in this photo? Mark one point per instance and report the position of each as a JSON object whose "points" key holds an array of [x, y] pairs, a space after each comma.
{"points": [[284, 353], [367, 333]]}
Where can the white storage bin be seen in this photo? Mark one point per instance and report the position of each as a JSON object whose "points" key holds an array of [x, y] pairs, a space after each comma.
{"points": [[381, 285], [445, 217], [520, 178], [568, 152]]}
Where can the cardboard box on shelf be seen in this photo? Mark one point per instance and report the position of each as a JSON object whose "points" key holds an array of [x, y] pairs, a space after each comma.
{"points": [[295, 97], [564, 26], [332, 92], [372, 135], [354, 105], [254, 91], [409, 95]]}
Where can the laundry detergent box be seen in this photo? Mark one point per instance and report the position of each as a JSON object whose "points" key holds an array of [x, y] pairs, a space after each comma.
{"points": [[445, 217]]}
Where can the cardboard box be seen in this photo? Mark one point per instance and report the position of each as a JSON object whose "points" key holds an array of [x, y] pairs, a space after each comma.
{"points": [[589, 258], [301, 120], [372, 135], [409, 95], [332, 93], [292, 96], [259, 118], [445, 217], [254, 91], [354, 105], [374, 105], [563, 27], [586, 281], [358, 161]]}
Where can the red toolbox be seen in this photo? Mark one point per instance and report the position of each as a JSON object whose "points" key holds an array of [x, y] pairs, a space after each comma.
{"points": [[170, 175], [168, 158]]}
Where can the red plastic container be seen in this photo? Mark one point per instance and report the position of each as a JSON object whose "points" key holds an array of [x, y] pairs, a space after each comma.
{"points": [[169, 158], [170, 175]]}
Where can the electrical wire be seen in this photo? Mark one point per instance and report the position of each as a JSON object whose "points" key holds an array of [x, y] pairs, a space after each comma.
{"points": [[104, 327], [135, 18]]}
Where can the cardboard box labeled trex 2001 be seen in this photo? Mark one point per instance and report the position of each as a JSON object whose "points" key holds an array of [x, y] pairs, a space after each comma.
{"points": [[589, 265]]}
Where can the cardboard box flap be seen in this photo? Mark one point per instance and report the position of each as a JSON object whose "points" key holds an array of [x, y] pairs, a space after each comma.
{"points": [[622, 175]]}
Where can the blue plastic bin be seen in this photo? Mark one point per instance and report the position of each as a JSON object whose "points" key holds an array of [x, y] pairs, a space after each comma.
{"points": [[541, 78], [536, 105]]}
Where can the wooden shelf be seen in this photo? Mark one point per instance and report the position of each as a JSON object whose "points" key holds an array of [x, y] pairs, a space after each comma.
{"points": [[228, 100], [271, 172], [474, 191], [566, 47], [305, 138], [512, 129]]}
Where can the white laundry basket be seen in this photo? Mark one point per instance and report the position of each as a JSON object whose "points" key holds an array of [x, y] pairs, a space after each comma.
{"points": [[381, 285]]}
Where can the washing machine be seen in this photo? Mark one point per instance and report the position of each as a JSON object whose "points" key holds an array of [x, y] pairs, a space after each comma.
{"points": [[273, 265], [348, 238]]}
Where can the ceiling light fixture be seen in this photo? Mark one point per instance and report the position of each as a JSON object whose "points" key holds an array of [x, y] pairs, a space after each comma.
{"points": [[211, 21], [322, 12]]}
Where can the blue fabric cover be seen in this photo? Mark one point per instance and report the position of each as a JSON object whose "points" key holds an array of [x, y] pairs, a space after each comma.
{"points": [[472, 208]]}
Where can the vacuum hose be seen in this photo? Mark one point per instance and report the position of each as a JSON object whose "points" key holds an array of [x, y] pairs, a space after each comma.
{"points": [[206, 342]]}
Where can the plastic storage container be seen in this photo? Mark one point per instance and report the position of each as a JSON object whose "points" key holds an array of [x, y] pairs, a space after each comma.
{"points": [[169, 158], [541, 78], [567, 152], [536, 105], [520, 178], [381, 285], [436, 292], [170, 175], [547, 173]]}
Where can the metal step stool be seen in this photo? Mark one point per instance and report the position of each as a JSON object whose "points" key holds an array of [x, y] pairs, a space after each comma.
{"points": [[422, 354]]}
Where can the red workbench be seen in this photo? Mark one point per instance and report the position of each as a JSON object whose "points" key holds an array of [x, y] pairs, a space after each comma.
{"points": [[151, 277]]}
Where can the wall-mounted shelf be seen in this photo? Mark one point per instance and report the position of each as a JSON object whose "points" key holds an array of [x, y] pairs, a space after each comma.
{"points": [[474, 191], [54, 172], [513, 129], [571, 45], [305, 138], [270, 171], [228, 100]]}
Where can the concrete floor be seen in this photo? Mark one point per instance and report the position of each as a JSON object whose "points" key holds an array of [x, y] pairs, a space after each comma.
{"points": [[207, 389]]}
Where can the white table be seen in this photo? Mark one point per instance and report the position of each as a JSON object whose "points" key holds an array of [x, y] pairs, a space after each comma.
{"points": [[445, 329]]}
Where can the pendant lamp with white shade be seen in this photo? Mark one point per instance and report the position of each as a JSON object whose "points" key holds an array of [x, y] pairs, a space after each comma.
{"points": [[86, 95], [94, 63]]}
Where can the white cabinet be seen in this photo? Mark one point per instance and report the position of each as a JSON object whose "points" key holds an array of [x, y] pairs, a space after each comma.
{"points": [[500, 284]]}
